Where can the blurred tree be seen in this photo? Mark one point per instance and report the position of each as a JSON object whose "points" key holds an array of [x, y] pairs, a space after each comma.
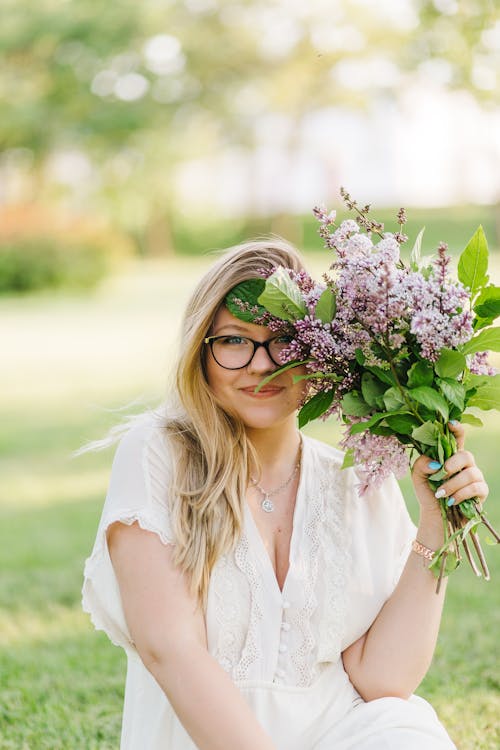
{"points": [[127, 91]]}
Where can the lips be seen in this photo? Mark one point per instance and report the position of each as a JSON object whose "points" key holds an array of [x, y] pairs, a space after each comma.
{"points": [[265, 391]]}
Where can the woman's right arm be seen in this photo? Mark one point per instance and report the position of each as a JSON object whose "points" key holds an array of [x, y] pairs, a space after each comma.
{"points": [[167, 627]]}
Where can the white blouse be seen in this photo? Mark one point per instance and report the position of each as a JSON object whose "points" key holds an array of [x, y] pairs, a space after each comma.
{"points": [[281, 648]]}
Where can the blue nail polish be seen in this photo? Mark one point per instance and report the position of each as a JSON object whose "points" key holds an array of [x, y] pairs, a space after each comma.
{"points": [[434, 465], [450, 501], [453, 422]]}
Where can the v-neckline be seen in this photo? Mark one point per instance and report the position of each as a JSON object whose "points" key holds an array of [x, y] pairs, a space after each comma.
{"points": [[261, 550]]}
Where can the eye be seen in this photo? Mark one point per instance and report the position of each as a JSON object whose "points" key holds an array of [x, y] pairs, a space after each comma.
{"points": [[233, 341], [284, 339]]}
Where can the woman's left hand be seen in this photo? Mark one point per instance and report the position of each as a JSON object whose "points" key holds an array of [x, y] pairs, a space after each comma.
{"points": [[465, 480]]}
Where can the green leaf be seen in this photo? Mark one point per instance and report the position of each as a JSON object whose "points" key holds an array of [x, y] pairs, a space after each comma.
{"points": [[471, 419], [487, 340], [384, 375], [248, 292], [315, 407], [441, 473], [430, 398], [450, 363], [441, 451], [420, 373], [427, 433], [487, 395], [479, 323], [487, 304], [277, 372], [393, 399], [416, 251], [473, 262], [282, 297], [360, 357], [348, 459], [402, 423], [358, 427], [326, 307], [453, 391], [354, 405], [371, 388]]}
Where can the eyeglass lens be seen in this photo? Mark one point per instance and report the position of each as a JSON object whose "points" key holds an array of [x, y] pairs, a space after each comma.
{"points": [[234, 352]]}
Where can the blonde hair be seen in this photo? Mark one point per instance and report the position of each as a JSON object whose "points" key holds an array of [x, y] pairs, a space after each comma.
{"points": [[211, 454]]}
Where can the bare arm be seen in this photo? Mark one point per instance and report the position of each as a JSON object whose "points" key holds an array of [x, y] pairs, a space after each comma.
{"points": [[392, 658], [168, 629]]}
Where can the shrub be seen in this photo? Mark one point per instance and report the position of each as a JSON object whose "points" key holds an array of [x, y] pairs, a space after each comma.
{"points": [[40, 250], [28, 264]]}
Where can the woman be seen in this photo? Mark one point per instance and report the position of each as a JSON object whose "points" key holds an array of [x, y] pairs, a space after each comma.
{"points": [[261, 603]]}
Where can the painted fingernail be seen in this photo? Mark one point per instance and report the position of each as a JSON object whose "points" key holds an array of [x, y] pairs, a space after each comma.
{"points": [[434, 465], [440, 493], [450, 501], [453, 422]]}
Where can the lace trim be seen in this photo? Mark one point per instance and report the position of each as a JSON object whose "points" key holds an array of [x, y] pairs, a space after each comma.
{"points": [[238, 638], [321, 627], [337, 550], [230, 636], [250, 651], [301, 618]]}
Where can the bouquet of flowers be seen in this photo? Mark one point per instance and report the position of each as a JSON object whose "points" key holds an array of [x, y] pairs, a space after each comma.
{"points": [[396, 349]]}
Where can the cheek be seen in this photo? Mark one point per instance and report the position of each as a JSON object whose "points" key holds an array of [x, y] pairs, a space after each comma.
{"points": [[217, 378]]}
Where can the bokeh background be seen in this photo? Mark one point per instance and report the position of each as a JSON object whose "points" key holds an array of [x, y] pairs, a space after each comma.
{"points": [[136, 138]]}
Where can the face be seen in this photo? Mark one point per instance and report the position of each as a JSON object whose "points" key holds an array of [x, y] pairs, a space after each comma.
{"points": [[276, 402]]}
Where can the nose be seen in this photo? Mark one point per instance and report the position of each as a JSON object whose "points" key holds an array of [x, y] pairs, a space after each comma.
{"points": [[261, 362]]}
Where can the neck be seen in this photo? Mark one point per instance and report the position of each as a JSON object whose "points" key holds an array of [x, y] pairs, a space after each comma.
{"points": [[276, 448]]}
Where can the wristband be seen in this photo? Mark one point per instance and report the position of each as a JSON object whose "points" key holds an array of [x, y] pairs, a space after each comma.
{"points": [[422, 550]]}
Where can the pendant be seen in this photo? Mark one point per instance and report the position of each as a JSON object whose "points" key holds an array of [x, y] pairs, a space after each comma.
{"points": [[267, 504]]}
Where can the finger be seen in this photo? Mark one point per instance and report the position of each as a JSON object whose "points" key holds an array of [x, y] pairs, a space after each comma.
{"points": [[458, 431], [464, 478], [459, 461], [477, 490], [424, 467]]}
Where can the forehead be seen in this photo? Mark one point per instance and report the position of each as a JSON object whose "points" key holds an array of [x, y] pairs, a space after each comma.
{"points": [[226, 321]]}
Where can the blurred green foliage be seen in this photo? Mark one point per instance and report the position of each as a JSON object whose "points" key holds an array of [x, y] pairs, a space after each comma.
{"points": [[206, 72], [30, 264], [41, 248], [454, 225]]}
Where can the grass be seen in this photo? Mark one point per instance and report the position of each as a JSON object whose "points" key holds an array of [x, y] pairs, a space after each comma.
{"points": [[67, 361]]}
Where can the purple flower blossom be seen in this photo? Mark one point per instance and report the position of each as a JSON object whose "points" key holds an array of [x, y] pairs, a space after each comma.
{"points": [[376, 456], [478, 364]]}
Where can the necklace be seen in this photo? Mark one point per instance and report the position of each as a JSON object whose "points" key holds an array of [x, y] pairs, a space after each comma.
{"points": [[267, 504]]}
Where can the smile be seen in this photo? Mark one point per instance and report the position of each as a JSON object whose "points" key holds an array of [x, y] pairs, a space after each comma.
{"points": [[265, 392]]}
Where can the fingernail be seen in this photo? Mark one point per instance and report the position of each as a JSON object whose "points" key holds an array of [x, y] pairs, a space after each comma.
{"points": [[450, 501], [434, 465], [440, 493], [453, 422]]}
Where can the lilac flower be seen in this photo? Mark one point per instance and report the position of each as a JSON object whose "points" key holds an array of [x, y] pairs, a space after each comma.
{"points": [[377, 456], [478, 364]]}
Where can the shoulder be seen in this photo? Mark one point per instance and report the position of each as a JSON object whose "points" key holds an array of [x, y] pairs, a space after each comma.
{"points": [[143, 448], [143, 431]]}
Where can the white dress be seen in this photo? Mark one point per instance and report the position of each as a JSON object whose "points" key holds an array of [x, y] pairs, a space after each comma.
{"points": [[281, 648]]}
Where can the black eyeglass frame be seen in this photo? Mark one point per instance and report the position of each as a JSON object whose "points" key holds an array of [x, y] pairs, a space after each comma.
{"points": [[266, 344]]}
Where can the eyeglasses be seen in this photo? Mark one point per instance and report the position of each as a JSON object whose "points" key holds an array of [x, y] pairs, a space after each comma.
{"points": [[236, 352]]}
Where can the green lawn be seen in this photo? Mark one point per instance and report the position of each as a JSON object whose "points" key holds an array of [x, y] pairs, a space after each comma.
{"points": [[66, 362]]}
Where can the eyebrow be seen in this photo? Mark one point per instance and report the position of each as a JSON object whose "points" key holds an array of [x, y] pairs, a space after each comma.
{"points": [[233, 326]]}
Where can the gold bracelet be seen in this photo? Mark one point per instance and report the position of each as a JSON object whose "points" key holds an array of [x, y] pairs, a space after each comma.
{"points": [[422, 550]]}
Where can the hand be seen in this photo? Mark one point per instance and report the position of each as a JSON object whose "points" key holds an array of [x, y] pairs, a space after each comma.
{"points": [[465, 480]]}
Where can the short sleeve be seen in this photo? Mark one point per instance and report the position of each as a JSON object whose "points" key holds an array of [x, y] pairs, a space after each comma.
{"points": [[138, 492]]}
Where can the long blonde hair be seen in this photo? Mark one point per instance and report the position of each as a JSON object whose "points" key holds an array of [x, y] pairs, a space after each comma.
{"points": [[211, 453]]}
